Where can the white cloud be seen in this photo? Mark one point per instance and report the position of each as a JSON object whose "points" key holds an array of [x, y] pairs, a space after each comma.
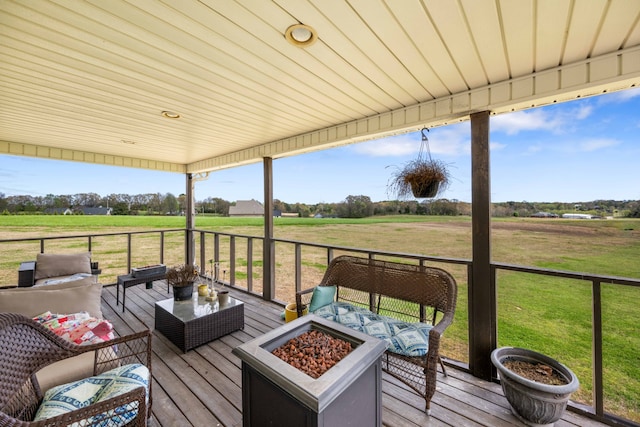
{"points": [[532, 149], [455, 140], [513, 123], [574, 145], [582, 112], [597, 144], [559, 120], [394, 146], [619, 97], [451, 140], [494, 146]]}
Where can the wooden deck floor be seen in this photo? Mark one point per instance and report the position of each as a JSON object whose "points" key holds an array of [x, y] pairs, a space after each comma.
{"points": [[203, 386]]}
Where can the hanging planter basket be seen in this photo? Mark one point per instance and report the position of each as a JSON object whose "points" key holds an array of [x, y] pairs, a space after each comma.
{"points": [[425, 191], [422, 178]]}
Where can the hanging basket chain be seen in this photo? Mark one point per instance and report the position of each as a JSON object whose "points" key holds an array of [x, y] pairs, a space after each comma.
{"points": [[424, 146], [422, 177]]}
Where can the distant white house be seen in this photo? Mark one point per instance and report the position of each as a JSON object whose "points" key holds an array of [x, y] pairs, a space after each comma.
{"points": [[577, 216], [247, 208], [79, 210], [58, 211], [251, 208]]}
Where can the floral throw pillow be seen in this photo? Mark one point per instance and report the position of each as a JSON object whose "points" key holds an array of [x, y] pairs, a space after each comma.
{"points": [[78, 328]]}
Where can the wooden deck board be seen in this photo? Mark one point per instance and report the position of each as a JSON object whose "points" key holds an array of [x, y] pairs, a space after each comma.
{"points": [[203, 386]]}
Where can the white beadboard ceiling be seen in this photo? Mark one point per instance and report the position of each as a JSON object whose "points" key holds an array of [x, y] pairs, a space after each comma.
{"points": [[88, 80]]}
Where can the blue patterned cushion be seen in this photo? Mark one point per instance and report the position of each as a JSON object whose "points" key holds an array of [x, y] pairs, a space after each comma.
{"points": [[79, 394], [322, 295], [337, 308], [409, 339]]}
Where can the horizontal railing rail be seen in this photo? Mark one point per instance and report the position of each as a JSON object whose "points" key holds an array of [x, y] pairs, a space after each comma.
{"points": [[90, 239], [209, 254], [597, 281], [330, 249]]}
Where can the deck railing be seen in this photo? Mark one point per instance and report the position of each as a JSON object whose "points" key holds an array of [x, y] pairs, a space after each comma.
{"points": [[237, 254]]}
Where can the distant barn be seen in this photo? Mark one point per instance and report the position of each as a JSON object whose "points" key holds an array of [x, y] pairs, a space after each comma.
{"points": [[247, 208], [544, 215], [251, 208], [577, 216]]}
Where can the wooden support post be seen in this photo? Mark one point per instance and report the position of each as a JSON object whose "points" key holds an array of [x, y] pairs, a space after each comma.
{"points": [[190, 242], [482, 291], [268, 250]]}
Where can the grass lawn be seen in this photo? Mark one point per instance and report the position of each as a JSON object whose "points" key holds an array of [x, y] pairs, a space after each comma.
{"points": [[546, 314]]}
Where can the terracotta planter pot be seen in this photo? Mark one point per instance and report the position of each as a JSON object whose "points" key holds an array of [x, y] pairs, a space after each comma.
{"points": [[425, 191], [534, 403]]}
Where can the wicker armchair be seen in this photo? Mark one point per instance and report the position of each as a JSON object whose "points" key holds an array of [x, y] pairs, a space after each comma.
{"points": [[26, 347], [409, 293]]}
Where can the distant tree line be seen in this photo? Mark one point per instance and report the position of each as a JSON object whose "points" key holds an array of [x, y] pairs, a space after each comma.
{"points": [[603, 208], [353, 206]]}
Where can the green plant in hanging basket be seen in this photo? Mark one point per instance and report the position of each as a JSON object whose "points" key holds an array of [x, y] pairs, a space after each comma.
{"points": [[423, 177]]}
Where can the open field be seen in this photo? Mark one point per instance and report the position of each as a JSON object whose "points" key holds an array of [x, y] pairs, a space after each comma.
{"points": [[546, 314]]}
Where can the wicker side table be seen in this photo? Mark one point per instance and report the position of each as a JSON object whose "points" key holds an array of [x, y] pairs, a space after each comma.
{"points": [[194, 322]]}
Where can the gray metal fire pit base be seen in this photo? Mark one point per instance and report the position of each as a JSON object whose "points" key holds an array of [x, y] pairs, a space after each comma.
{"points": [[266, 404], [277, 394]]}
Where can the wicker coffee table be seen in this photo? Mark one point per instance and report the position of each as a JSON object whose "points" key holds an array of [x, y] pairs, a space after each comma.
{"points": [[194, 322]]}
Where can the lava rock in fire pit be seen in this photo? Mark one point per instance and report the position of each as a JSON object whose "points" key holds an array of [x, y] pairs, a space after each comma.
{"points": [[313, 352]]}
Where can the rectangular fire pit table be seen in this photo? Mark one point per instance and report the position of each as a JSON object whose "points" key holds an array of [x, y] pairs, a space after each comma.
{"points": [[275, 393], [194, 322]]}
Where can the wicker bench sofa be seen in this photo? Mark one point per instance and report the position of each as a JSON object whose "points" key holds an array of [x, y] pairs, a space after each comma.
{"points": [[54, 268], [56, 289], [407, 305]]}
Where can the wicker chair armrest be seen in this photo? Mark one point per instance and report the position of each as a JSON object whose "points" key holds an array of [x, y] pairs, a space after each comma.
{"points": [[106, 411], [132, 348], [117, 340], [435, 334], [303, 298], [446, 320]]}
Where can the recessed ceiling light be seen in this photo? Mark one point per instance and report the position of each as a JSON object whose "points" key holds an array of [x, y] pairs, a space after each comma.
{"points": [[301, 35], [170, 115]]}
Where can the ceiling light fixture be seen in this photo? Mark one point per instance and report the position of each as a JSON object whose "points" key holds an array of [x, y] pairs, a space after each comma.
{"points": [[301, 35], [170, 115]]}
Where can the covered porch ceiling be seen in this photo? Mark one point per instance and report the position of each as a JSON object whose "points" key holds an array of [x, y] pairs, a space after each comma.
{"points": [[88, 80]]}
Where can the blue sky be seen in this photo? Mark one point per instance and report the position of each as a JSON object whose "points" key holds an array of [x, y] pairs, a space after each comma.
{"points": [[582, 150]]}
